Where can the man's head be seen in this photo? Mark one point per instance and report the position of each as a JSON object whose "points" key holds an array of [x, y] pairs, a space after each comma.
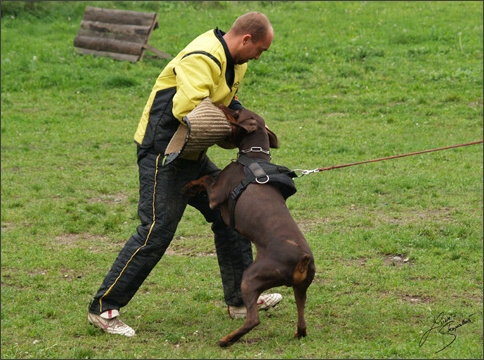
{"points": [[250, 35]]}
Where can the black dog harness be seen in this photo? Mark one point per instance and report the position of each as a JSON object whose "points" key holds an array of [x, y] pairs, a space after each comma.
{"points": [[262, 172]]}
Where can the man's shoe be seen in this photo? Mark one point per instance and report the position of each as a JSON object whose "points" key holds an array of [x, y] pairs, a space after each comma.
{"points": [[264, 302], [108, 322]]}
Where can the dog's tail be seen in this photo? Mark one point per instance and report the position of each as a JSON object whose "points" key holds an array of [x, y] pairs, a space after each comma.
{"points": [[301, 270]]}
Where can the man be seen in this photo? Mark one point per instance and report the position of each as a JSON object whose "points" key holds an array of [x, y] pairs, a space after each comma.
{"points": [[213, 66]]}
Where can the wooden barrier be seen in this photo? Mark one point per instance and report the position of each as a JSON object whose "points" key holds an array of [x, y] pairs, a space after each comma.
{"points": [[120, 34]]}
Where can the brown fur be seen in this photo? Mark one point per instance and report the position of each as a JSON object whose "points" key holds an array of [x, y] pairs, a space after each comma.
{"points": [[261, 215]]}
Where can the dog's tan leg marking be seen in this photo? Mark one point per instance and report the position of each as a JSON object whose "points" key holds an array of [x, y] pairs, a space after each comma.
{"points": [[301, 270]]}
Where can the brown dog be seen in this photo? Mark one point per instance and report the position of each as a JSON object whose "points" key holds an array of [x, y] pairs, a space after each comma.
{"points": [[252, 203]]}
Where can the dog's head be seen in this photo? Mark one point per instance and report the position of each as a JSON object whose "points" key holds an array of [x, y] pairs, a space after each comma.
{"points": [[244, 123]]}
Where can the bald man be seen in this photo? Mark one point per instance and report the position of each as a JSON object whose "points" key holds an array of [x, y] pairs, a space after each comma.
{"points": [[212, 65]]}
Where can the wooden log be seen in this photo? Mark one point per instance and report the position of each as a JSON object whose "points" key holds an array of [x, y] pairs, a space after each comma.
{"points": [[105, 32], [115, 36], [116, 56], [110, 45], [141, 31], [118, 16]]}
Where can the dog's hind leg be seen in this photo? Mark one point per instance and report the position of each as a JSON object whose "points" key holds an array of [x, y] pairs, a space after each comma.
{"points": [[300, 296], [303, 276]]}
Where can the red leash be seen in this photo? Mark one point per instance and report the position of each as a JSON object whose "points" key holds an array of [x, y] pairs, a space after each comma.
{"points": [[306, 172]]}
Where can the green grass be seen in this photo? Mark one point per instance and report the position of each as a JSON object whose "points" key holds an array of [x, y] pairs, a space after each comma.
{"points": [[342, 82]]}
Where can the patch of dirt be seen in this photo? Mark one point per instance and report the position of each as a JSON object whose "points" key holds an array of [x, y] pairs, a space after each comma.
{"points": [[396, 260], [70, 274], [37, 272], [188, 252], [250, 341], [433, 215], [117, 198], [472, 297], [359, 262], [416, 299], [308, 225], [93, 243], [67, 239], [193, 246], [30, 110], [388, 259], [7, 226], [70, 239], [336, 114]]}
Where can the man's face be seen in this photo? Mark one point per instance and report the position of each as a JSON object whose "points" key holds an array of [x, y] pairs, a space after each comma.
{"points": [[253, 50]]}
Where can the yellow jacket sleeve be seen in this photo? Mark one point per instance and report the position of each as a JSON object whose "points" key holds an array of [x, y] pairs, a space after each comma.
{"points": [[197, 77]]}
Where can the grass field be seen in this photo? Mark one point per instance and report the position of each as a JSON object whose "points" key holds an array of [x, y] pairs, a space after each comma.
{"points": [[398, 244]]}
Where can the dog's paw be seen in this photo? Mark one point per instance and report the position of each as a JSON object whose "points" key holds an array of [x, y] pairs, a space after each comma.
{"points": [[300, 333], [196, 186], [224, 342], [190, 191], [192, 188]]}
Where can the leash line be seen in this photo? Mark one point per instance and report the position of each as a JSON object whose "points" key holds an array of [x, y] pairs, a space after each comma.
{"points": [[307, 172]]}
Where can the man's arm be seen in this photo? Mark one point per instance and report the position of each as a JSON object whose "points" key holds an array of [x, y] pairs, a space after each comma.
{"points": [[197, 76]]}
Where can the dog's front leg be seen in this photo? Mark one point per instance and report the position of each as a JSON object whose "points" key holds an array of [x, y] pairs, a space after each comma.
{"points": [[251, 289], [196, 186], [251, 322]]}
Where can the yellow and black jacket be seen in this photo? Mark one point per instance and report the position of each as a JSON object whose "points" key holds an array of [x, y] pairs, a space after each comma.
{"points": [[204, 68]]}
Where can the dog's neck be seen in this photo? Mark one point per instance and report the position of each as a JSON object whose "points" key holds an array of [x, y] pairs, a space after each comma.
{"points": [[256, 145], [256, 152]]}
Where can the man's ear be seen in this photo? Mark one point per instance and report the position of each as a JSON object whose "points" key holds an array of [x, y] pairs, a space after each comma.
{"points": [[246, 38], [273, 141]]}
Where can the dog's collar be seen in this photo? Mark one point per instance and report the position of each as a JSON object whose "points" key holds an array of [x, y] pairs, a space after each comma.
{"points": [[255, 149]]}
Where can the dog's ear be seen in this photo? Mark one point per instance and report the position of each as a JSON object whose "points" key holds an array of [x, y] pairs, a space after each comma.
{"points": [[273, 141], [247, 124], [247, 120], [229, 114]]}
